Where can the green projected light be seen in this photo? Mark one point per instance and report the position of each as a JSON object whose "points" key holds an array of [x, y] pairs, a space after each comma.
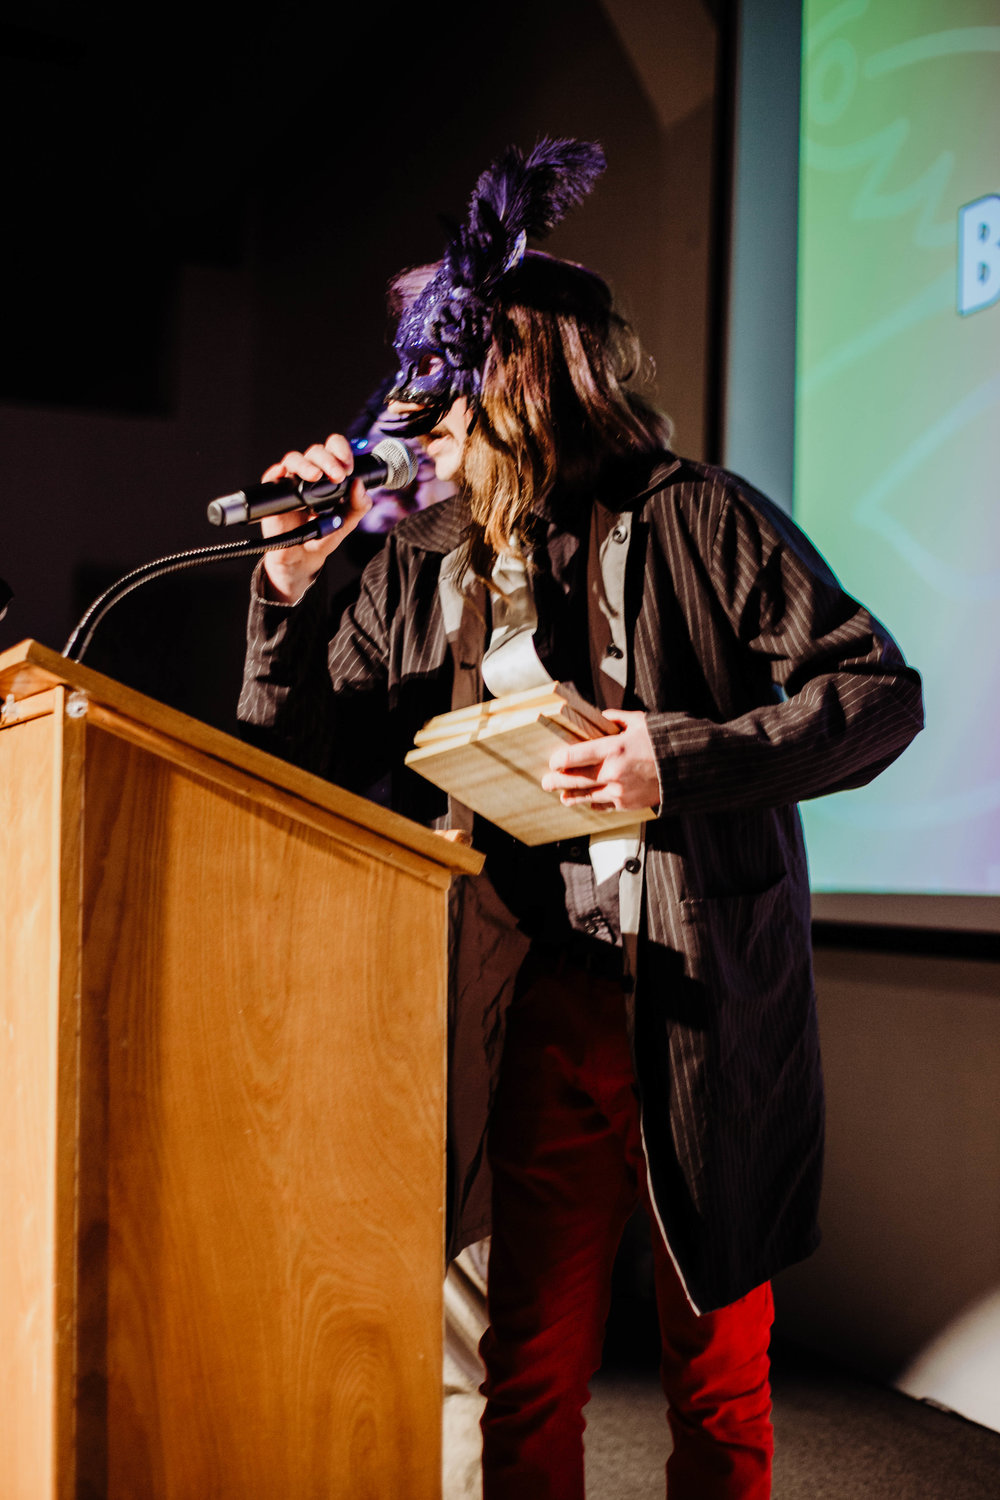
{"points": [[897, 440]]}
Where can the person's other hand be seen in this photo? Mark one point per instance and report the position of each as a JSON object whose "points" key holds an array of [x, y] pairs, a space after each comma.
{"points": [[618, 771]]}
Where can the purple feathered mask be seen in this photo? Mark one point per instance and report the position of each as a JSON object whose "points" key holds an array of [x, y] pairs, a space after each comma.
{"points": [[444, 334]]}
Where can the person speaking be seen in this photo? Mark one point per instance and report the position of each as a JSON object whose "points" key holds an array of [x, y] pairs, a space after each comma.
{"points": [[633, 1017]]}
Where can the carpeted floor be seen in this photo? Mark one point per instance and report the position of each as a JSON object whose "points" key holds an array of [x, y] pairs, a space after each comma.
{"points": [[836, 1438]]}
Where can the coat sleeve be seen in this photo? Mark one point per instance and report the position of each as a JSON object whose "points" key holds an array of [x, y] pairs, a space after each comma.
{"points": [[844, 705], [315, 690]]}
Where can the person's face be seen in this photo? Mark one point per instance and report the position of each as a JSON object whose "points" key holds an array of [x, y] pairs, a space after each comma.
{"points": [[445, 443]]}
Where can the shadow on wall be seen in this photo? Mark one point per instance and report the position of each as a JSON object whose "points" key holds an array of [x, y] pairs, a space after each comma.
{"points": [[193, 323], [178, 639], [903, 1288]]}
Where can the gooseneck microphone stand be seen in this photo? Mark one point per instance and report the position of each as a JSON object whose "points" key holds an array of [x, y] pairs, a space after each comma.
{"points": [[194, 557]]}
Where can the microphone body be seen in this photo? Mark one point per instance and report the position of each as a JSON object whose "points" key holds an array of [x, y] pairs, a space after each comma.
{"points": [[390, 465]]}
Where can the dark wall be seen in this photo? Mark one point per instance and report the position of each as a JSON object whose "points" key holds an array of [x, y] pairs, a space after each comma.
{"points": [[205, 218]]}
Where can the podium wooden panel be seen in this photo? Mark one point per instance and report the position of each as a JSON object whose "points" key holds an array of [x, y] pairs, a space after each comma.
{"points": [[222, 1137]]}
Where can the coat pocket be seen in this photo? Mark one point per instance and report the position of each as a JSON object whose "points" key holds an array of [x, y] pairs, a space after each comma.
{"points": [[750, 952], [742, 914]]}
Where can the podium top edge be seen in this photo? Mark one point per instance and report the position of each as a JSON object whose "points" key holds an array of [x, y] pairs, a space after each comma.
{"points": [[30, 668]]}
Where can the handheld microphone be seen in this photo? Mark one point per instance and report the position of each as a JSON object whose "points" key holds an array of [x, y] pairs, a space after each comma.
{"points": [[390, 465]]}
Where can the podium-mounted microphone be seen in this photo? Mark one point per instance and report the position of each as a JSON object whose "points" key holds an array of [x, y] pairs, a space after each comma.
{"points": [[390, 465]]}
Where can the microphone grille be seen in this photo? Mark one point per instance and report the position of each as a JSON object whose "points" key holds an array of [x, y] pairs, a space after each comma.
{"points": [[400, 463]]}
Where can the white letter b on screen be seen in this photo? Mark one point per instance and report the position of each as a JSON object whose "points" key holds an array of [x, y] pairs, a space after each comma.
{"points": [[979, 254]]}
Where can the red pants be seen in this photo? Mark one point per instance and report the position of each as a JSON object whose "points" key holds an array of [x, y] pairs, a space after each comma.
{"points": [[568, 1167]]}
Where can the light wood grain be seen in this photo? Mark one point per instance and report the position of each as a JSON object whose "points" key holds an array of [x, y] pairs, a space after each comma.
{"points": [[264, 794], [30, 668], [28, 1032], [275, 1166], [556, 699], [78, 1426], [222, 1180], [498, 774]]}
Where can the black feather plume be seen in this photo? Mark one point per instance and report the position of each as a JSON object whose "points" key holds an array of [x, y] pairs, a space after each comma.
{"points": [[516, 199], [531, 194]]}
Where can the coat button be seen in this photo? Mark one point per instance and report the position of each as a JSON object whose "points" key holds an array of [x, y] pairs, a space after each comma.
{"points": [[633, 866], [620, 534], [616, 652]]}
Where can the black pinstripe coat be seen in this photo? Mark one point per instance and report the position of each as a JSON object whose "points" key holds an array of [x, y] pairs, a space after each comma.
{"points": [[764, 684]]}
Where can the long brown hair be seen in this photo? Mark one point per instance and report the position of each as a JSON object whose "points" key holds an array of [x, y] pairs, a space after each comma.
{"points": [[558, 404]]}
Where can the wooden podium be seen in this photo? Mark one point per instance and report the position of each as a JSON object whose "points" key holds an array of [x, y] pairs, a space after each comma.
{"points": [[222, 1074]]}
